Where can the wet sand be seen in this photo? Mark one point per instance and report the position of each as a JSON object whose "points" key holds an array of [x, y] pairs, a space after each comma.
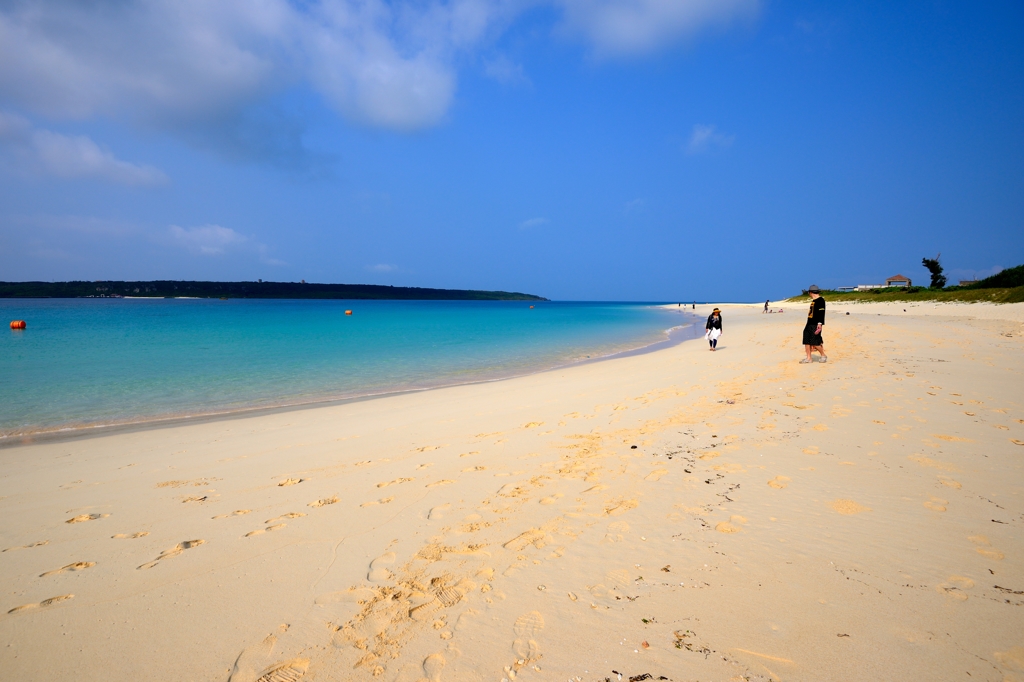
{"points": [[694, 515]]}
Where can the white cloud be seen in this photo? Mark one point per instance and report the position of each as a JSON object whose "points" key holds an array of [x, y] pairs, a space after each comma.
{"points": [[635, 206], [207, 240], [704, 137], [69, 156], [504, 70], [382, 267], [533, 222], [197, 66], [639, 26]]}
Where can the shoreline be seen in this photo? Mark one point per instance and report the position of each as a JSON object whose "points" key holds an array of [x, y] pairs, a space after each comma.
{"points": [[674, 335]]}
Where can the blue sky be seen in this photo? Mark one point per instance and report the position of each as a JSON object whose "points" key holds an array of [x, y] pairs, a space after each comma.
{"points": [[576, 149]]}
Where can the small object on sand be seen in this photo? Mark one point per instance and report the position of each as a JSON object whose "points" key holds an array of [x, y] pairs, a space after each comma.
{"points": [[632, 447]]}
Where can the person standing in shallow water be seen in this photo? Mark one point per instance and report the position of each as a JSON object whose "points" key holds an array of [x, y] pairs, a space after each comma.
{"points": [[815, 321], [714, 328]]}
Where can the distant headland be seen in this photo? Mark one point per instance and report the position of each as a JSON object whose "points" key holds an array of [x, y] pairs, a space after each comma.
{"points": [[257, 289]]}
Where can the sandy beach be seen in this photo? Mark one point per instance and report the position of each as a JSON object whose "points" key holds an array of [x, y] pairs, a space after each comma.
{"points": [[681, 514]]}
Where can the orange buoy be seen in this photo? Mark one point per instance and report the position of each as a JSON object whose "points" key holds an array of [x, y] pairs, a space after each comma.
{"points": [[348, 312], [531, 306], [17, 324]]}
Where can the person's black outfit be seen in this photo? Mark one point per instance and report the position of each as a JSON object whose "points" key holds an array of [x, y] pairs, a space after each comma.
{"points": [[714, 322], [815, 316]]}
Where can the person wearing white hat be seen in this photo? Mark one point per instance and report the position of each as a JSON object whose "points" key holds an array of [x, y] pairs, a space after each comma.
{"points": [[815, 321]]}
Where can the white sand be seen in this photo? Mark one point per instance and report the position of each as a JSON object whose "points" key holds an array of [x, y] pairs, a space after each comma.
{"points": [[856, 520]]}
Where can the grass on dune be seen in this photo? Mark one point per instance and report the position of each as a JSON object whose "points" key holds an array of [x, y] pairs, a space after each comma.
{"points": [[952, 294]]}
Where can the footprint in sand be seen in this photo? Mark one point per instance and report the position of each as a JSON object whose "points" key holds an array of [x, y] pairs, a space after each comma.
{"points": [[288, 671], [131, 536], [81, 518], [289, 515], [655, 475], [733, 525], [936, 504], [438, 511], [533, 536], [984, 548], [237, 512], [43, 604], [290, 481], [77, 566], [173, 551], [379, 567], [954, 587], [848, 507], [385, 484], [614, 508], [261, 531], [476, 468], [526, 628], [551, 499], [929, 462], [444, 596], [779, 482], [616, 531], [424, 466], [324, 502], [813, 450], [432, 667], [437, 483], [1017, 442], [373, 503], [28, 546], [730, 468], [950, 483], [1013, 658]]}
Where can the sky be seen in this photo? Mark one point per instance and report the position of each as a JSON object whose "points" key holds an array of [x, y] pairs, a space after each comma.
{"points": [[645, 150]]}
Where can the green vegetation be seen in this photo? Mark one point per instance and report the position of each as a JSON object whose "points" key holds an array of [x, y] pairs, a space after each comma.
{"points": [[935, 268], [173, 289], [1004, 287]]}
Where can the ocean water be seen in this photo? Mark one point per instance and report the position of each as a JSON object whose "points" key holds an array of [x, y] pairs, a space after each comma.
{"points": [[89, 362]]}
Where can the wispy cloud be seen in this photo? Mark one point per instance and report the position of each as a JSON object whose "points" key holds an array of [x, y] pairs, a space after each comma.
{"points": [[533, 222], [45, 152], [207, 240], [382, 267], [625, 27], [199, 68], [505, 71], [705, 137], [634, 206]]}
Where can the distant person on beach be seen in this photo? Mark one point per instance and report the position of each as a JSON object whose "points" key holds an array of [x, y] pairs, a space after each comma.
{"points": [[694, 305], [765, 307], [714, 328], [812, 330]]}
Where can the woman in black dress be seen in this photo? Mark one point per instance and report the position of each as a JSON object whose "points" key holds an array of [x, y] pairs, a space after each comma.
{"points": [[812, 330]]}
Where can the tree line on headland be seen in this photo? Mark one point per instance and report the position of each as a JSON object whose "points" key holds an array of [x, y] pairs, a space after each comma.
{"points": [[258, 289], [1006, 286]]}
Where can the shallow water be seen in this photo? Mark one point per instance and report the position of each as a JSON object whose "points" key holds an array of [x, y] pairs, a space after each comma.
{"points": [[84, 362]]}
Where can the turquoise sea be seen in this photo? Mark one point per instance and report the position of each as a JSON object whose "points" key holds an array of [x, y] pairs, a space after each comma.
{"points": [[91, 362]]}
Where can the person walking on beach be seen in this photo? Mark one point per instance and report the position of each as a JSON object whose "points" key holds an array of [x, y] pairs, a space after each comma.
{"points": [[766, 306], [812, 330], [714, 328]]}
